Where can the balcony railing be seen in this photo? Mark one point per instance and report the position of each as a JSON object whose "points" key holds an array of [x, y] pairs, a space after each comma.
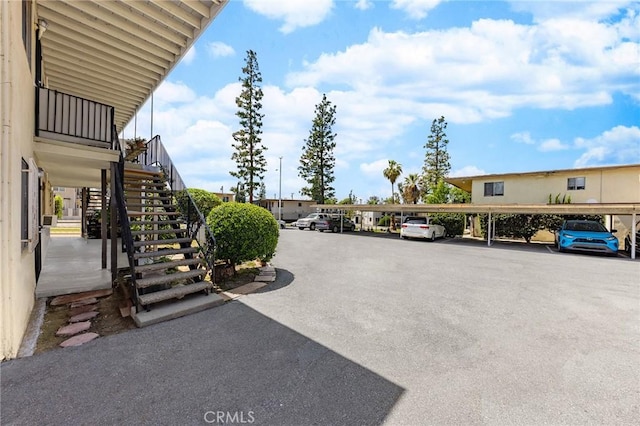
{"points": [[68, 118]]}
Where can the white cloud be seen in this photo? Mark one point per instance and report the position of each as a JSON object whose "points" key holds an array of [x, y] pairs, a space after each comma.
{"points": [[189, 56], [552, 145], [295, 13], [523, 137], [375, 168], [487, 70], [169, 92], [620, 145], [467, 171], [588, 9], [415, 9], [218, 49], [363, 4]]}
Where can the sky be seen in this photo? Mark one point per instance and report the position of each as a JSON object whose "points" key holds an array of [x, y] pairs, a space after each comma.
{"points": [[523, 86]]}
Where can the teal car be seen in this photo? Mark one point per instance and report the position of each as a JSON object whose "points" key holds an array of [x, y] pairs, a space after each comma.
{"points": [[586, 236]]}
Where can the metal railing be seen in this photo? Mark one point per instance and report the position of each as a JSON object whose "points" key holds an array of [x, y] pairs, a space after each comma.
{"points": [[156, 155], [117, 171], [69, 118]]}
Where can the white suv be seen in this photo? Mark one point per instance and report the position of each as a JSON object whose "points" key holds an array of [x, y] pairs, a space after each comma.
{"points": [[311, 220]]}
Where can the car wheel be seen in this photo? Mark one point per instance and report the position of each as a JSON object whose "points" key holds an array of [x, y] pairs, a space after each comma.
{"points": [[312, 226], [301, 228], [433, 236], [335, 229]]}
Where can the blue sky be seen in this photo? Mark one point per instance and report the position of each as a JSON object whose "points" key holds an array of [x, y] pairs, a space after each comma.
{"points": [[524, 86]]}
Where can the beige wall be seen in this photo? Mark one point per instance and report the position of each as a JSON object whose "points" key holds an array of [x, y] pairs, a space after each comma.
{"points": [[17, 275], [291, 209], [601, 186]]}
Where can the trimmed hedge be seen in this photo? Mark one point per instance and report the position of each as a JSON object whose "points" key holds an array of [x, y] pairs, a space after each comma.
{"points": [[243, 232]]}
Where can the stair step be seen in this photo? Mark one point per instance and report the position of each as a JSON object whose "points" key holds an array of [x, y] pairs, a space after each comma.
{"points": [[163, 190], [167, 265], [153, 213], [156, 222], [153, 197], [169, 278], [177, 308], [131, 205], [161, 242], [164, 252], [140, 172], [159, 231]]}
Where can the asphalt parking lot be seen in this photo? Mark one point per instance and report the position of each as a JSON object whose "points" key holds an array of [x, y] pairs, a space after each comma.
{"points": [[369, 329]]}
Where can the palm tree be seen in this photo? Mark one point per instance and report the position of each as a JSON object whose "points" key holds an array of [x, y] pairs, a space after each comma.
{"points": [[392, 173], [411, 188]]}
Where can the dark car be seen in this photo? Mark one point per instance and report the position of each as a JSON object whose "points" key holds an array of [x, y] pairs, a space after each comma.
{"points": [[333, 224], [587, 236]]}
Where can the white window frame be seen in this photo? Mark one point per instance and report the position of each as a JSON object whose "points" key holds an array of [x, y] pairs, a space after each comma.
{"points": [[572, 183], [494, 185], [33, 234]]}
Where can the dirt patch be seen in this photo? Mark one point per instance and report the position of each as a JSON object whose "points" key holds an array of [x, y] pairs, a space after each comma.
{"points": [[108, 322]]}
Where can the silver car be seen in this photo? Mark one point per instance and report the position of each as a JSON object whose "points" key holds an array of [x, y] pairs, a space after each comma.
{"points": [[311, 221]]}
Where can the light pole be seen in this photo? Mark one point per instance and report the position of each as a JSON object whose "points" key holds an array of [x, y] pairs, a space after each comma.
{"points": [[280, 193]]}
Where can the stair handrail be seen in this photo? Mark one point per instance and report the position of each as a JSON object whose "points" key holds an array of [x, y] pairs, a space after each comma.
{"points": [[117, 169], [157, 155]]}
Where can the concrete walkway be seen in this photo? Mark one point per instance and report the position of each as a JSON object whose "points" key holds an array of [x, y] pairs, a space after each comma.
{"points": [[72, 264]]}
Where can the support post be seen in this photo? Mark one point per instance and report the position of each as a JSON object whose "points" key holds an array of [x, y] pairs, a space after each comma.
{"points": [[83, 213], [103, 215], [489, 231], [114, 227], [634, 230]]}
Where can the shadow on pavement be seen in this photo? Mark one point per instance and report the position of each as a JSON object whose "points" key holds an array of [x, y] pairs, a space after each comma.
{"points": [[229, 361], [283, 279]]}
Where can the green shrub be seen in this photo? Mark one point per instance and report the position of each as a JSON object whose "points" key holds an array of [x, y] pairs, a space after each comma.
{"points": [[205, 201], [454, 223], [59, 204], [243, 232], [384, 221]]}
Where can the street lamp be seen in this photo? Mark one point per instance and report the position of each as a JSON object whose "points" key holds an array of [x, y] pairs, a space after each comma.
{"points": [[280, 193]]}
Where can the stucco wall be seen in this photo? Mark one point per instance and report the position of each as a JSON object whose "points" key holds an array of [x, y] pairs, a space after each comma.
{"points": [[601, 186], [17, 280]]}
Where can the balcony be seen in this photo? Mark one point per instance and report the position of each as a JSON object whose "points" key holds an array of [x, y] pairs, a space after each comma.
{"points": [[67, 118]]}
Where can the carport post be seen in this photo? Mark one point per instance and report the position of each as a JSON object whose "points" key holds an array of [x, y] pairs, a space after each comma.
{"points": [[489, 231], [634, 229]]}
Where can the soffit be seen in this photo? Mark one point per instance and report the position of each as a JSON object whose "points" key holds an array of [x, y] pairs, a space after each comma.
{"points": [[117, 52]]}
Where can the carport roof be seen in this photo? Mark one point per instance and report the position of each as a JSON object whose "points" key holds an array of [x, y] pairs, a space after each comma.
{"points": [[577, 208]]}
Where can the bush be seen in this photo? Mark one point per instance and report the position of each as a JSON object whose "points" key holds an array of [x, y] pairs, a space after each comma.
{"points": [[243, 232], [454, 223], [204, 200], [384, 221], [58, 204]]}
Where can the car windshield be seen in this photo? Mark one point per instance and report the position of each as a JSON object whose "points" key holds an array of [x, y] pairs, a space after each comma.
{"points": [[585, 226], [416, 220]]}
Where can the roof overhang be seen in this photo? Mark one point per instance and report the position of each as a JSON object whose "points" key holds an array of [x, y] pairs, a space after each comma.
{"points": [[117, 52]]}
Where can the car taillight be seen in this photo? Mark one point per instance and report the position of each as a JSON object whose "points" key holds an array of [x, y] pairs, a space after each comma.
{"points": [[404, 225], [424, 226]]}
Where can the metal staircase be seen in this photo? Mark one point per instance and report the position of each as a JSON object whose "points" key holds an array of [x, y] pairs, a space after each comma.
{"points": [[168, 264]]}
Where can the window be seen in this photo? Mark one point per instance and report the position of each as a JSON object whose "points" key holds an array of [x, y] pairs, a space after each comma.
{"points": [[299, 204], [493, 189], [27, 28], [576, 183], [29, 205], [225, 199]]}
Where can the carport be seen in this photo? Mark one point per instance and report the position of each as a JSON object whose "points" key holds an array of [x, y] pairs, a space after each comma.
{"points": [[630, 209]]}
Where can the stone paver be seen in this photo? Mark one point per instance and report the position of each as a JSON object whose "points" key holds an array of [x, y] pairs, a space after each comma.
{"points": [[265, 278], [84, 302], [83, 316], [82, 309], [79, 339], [75, 328], [70, 298]]}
